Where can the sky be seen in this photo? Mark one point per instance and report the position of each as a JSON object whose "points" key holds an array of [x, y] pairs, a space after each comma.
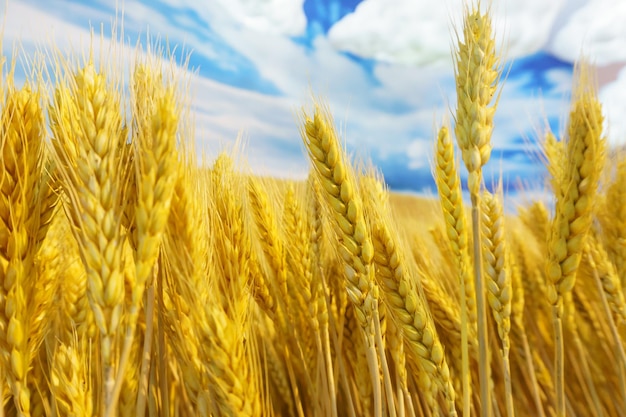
{"points": [[385, 68]]}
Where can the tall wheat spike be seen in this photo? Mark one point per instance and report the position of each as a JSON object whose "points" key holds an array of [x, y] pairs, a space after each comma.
{"points": [[577, 187], [155, 157], [25, 209], [407, 304], [451, 198], [499, 283], [87, 159], [188, 250], [477, 76], [340, 193]]}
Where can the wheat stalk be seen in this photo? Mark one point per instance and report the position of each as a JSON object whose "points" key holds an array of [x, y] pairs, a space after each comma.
{"points": [[477, 75]]}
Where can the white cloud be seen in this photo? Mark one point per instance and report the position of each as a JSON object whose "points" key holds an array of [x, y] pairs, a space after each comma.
{"points": [[285, 17], [32, 27], [411, 32], [523, 27], [420, 153], [420, 32], [278, 17], [613, 98], [596, 30]]}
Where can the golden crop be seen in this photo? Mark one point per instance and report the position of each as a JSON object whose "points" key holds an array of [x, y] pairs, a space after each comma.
{"points": [[136, 281]]}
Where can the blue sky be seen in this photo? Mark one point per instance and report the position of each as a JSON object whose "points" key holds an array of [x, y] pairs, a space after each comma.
{"points": [[384, 67]]}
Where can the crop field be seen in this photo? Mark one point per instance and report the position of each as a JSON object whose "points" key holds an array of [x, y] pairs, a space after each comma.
{"points": [[139, 280]]}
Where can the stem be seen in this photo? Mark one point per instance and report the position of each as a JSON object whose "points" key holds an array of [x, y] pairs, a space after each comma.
{"points": [[110, 399], [129, 338], [409, 403], [140, 408], [162, 350], [372, 361], [346, 387], [399, 395], [585, 365], [559, 382], [329, 372], [292, 380], [465, 368], [510, 410], [341, 369], [622, 382], [481, 311], [619, 346], [533, 376], [1, 397], [383, 361]]}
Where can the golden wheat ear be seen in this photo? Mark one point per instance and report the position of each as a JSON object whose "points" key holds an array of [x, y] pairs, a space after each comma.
{"points": [[499, 283], [87, 161], [26, 206], [451, 199], [575, 192], [340, 194], [477, 74]]}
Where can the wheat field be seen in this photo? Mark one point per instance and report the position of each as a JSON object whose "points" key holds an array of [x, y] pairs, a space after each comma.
{"points": [[138, 280]]}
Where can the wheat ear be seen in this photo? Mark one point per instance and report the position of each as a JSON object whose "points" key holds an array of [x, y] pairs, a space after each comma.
{"points": [[155, 172], [572, 220], [477, 77], [340, 192], [405, 302], [222, 177], [318, 286], [451, 199], [299, 233], [498, 281], [265, 219], [21, 192], [88, 159], [69, 379], [188, 250]]}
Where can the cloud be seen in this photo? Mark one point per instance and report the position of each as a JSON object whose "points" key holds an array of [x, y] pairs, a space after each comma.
{"points": [[596, 30], [420, 153], [613, 99], [32, 28], [411, 32], [284, 17], [278, 17], [419, 32]]}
